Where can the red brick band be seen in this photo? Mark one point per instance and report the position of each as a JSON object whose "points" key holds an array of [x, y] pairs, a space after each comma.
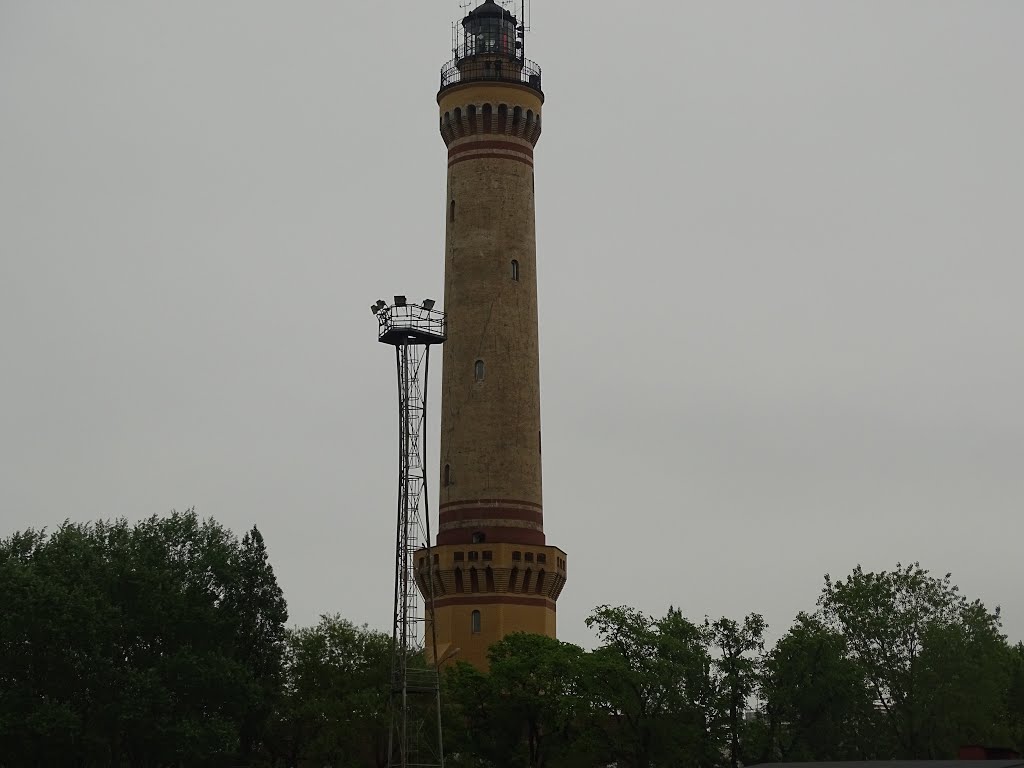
{"points": [[491, 502], [471, 146], [530, 600], [491, 156], [492, 513], [496, 534], [476, 150]]}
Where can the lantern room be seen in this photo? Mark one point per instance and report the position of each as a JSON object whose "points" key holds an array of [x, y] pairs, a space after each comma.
{"points": [[490, 47], [490, 30]]}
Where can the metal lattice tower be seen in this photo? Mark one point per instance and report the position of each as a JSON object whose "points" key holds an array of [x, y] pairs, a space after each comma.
{"points": [[415, 739]]}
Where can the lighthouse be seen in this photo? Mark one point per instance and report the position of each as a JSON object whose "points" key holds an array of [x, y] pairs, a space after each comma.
{"points": [[493, 572]]}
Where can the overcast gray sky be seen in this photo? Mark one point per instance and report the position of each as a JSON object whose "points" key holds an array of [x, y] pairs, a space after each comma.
{"points": [[781, 279]]}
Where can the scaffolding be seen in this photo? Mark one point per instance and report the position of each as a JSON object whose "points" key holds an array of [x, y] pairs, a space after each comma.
{"points": [[415, 739]]}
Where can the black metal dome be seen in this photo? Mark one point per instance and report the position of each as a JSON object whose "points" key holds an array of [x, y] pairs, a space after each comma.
{"points": [[488, 10]]}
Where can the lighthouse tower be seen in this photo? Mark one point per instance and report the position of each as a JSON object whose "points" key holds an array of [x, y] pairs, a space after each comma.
{"points": [[493, 571]]}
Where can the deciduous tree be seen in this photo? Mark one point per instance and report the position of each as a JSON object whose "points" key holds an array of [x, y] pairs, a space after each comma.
{"points": [[931, 657], [652, 683], [738, 664]]}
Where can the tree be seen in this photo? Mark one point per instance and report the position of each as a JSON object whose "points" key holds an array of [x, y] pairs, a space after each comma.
{"points": [[817, 703], [931, 658], [55, 632], [334, 710], [528, 710], [258, 604], [651, 684], [120, 644], [738, 669], [1013, 707]]}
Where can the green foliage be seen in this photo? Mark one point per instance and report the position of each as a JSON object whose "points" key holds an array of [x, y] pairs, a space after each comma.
{"points": [[652, 683], [129, 645], [932, 659], [163, 645], [738, 670], [1013, 700], [258, 603], [528, 711], [672, 692], [818, 705], [334, 710]]}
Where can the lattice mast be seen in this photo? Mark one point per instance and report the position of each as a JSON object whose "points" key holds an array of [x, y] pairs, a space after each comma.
{"points": [[415, 739]]}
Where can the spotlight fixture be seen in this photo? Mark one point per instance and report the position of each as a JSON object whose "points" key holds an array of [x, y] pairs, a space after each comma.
{"points": [[428, 304], [400, 301]]}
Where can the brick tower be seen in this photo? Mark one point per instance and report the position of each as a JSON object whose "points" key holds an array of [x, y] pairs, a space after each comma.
{"points": [[494, 573]]}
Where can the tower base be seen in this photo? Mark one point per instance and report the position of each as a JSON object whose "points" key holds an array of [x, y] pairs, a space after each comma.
{"points": [[484, 592]]}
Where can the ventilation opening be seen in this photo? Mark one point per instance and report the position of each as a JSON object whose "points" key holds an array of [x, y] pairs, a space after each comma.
{"points": [[479, 537], [447, 479], [479, 371], [451, 211], [515, 270], [474, 623]]}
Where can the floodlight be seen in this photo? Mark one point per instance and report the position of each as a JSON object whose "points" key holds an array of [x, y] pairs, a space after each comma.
{"points": [[428, 304], [374, 308], [400, 301]]}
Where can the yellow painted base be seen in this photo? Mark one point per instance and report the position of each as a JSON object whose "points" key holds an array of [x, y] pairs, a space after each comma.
{"points": [[456, 640]]}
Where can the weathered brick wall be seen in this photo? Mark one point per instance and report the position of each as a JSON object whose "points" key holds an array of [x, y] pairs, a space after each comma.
{"points": [[490, 433], [490, 489]]}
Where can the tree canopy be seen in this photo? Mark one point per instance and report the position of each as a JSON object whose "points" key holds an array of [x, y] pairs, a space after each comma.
{"points": [[163, 644], [157, 644]]}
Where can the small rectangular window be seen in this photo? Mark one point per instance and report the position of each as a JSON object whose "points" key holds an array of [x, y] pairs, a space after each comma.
{"points": [[529, 557], [517, 555], [542, 559], [474, 556], [488, 555], [459, 557]]}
